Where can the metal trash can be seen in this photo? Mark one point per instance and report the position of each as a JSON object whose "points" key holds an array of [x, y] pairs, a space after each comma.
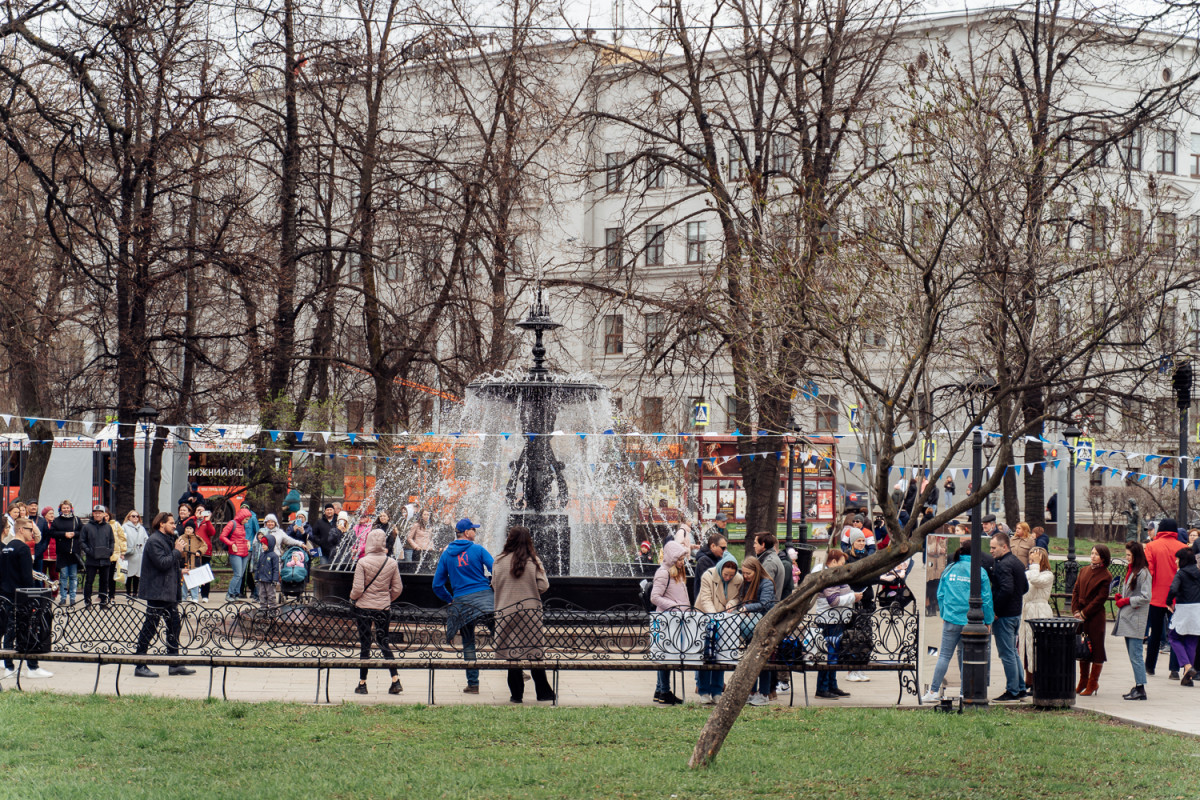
{"points": [[804, 557], [33, 617], [1053, 661]]}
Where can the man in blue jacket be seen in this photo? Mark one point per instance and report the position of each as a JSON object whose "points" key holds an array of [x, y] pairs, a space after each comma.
{"points": [[467, 566]]}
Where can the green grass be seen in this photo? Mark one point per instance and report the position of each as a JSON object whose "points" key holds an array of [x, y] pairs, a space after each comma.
{"points": [[65, 747]]}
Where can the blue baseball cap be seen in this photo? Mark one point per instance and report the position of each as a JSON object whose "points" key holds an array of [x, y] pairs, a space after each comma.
{"points": [[465, 524]]}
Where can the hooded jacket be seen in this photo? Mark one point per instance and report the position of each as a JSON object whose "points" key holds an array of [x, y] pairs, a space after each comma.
{"points": [[267, 570], [376, 577], [706, 559], [954, 593], [233, 535], [715, 594], [1160, 555], [97, 542], [462, 564], [666, 593], [207, 532]]}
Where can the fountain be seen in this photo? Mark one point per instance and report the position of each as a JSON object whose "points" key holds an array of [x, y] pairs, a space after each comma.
{"points": [[581, 509]]}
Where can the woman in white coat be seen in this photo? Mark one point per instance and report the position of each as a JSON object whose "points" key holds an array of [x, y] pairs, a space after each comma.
{"points": [[135, 542], [1036, 604]]}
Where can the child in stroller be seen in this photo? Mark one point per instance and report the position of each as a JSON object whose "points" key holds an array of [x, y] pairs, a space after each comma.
{"points": [[294, 569], [893, 587]]}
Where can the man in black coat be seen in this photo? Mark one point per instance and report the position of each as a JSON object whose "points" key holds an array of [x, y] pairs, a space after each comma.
{"points": [[1008, 591], [97, 542], [325, 533], [712, 552], [16, 572], [162, 573]]}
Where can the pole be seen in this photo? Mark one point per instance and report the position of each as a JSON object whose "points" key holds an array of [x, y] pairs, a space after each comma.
{"points": [[1183, 468], [791, 462], [146, 475], [1071, 571], [975, 633], [803, 507]]}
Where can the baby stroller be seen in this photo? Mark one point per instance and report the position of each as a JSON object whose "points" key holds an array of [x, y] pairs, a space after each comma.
{"points": [[893, 587], [294, 569]]}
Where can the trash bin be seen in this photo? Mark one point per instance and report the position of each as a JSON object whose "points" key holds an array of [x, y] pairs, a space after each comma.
{"points": [[33, 618], [1053, 661], [804, 556]]}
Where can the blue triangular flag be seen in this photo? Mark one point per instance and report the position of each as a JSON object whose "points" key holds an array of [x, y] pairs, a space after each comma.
{"points": [[31, 420], [220, 431], [506, 435], [299, 436], [61, 423], [353, 436], [274, 435]]}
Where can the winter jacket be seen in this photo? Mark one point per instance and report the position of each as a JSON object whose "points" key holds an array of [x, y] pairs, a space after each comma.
{"points": [[954, 593], [1043, 542], [135, 543], [520, 629], [207, 532], [252, 529], [1009, 585], [267, 570], [462, 564], [193, 499], [66, 550], [326, 535], [16, 568], [162, 569], [761, 604], [1160, 554], [282, 539], [233, 535], [119, 543], [667, 593], [781, 574], [714, 594], [837, 596], [376, 577], [1185, 594], [705, 560], [1132, 617], [1021, 548], [97, 542]]}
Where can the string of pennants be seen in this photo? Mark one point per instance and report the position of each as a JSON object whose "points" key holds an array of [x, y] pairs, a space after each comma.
{"points": [[1091, 465]]}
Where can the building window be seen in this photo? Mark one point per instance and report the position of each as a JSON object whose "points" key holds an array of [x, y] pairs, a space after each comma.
{"points": [[1194, 330], [1097, 230], [731, 410], [1060, 225], [736, 165], [1131, 150], [825, 413], [695, 173], [696, 238], [873, 152], [1166, 228], [614, 335], [655, 174], [356, 415], [1166, 152], [614, 240], [1193, 237], [656, 237], [783, 156], [1131, 229], [872, 338], [656, 332], [613, 171], [1164, 416], [1196, 155], [652, 413]]}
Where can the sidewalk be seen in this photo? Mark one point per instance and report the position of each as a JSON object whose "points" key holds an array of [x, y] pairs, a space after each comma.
{"points": [[1170, 705]]}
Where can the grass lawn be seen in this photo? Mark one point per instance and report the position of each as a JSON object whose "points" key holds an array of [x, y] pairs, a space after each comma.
{"points": [[65, 747]]}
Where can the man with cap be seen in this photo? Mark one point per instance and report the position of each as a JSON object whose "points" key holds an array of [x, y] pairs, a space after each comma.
{"points": [[192, 497], [720, 522], [470, 595], [325, 533], [1161, 558], [97, 542]]}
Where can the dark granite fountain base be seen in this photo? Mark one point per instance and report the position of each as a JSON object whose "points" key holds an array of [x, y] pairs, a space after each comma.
{"points": [[591, 593]]}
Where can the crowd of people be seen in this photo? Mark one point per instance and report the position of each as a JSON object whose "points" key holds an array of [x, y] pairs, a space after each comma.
{"points": [[1157, 600]]}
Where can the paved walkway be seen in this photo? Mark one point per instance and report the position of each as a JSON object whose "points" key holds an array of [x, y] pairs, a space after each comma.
{"points": [[1170, 705]]}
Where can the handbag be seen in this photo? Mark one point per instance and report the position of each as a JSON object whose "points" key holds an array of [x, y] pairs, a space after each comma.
{"points": [[1083, 647]]}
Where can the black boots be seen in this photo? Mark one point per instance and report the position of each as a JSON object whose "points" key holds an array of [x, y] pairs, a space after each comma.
{"points": [[1136, 693]]}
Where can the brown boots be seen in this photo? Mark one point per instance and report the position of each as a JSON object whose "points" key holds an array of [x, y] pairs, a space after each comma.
{"points": [[1093, 682], [1084, 666]]}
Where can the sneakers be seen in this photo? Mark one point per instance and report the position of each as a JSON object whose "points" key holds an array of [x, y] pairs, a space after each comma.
{"points": [[180, 670], [471, 689], [10, 673], [395, 688], [757, 699], [784, 686], [37, 673], [667, 698], [931, 697], [360, 689], [705, 699], [142, 671], [1007, 697], [857, 677]]}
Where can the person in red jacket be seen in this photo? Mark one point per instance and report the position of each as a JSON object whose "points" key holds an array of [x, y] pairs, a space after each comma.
{"points": [[207, 532], [1160, 555], [233, 536]]}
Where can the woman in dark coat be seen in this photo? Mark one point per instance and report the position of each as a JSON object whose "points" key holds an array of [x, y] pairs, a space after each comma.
{"points": [[1088, 604]]}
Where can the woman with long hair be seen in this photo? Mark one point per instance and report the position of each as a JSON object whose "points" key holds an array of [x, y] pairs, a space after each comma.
{"points": [[1036, 603], [1088, 602], [135, 541], [377, 585], [1021, 543], [519, 581], [669, 592], [1133, 612], [757, 597]]}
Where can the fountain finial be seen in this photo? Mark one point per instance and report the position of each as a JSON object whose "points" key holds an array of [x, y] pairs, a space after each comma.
{"points": [[539, 321]]}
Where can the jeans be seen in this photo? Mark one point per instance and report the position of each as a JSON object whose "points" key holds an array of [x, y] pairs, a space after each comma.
{"points": [[664, 681], [1157, 623], [1183, 647], [156, 609], [710, 682], [468, 641], [238, 563], [764, 682], [827, 681], [68, 580], [1134, 646], [951, 641], [90, 573], [1005, 630], [192, 594]]}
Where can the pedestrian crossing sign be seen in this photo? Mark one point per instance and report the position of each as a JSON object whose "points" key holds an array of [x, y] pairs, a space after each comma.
{"points": [[700, 415]]}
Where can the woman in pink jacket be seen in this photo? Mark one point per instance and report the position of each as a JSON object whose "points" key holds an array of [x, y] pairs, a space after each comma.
{"points": [[233, 536], [670, 592], [377, 584]]}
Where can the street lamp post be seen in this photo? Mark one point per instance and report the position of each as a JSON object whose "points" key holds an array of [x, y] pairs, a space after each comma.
{"points": [[791, 467], [1071, 569], [975, 633], [1183, 401], [147, 415]]}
